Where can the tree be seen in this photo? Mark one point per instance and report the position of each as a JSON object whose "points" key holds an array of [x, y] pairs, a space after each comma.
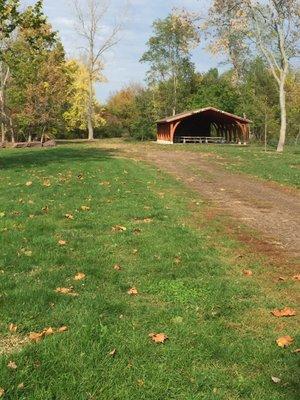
{"points": [[78, 98], [37, 84], [9, 18], [269, 28], [91, 28], [31, 20], [169, 55], [215, 91]]}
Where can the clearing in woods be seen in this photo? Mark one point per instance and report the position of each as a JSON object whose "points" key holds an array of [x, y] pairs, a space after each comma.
{"points": [[112, 249]]}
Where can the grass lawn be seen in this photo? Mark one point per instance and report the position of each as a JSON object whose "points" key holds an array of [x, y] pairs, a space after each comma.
{"points": [[282, 168], [187, 270]]}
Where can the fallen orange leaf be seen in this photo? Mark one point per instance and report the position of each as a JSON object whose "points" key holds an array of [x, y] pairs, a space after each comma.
{"points": [[119, 228], [85, 208], [36, 336], [63, 329], [284, 341], [285, 312], [247, 272], [133, 291], [62, 242], [46, 183], [66, 290], [48, 331], [296, 277], [158, 337], [12, 328], [80, 276]]}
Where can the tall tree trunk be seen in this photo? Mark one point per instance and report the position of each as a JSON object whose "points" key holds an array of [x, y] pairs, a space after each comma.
{"points": [[90, 112], [282, 99], [12, 131], [3, 132]]}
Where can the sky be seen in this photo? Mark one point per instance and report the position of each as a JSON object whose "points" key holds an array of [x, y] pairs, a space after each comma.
{"points": [[122, 64]]}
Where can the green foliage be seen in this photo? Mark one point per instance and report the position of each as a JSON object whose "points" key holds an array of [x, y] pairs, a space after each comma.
{"points": [[215, 91], [169, 57], [9, 17], [36, 92]]}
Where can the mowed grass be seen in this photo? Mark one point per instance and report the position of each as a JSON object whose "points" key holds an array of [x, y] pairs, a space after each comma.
{"points": [[186, 270], [253, 160]]}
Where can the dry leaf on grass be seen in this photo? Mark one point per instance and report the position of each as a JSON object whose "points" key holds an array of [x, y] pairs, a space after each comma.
{"points": [[275, 379], [284, 341], [85, 208], [45, 209], [79, 276], [12, 365], [66, 290], [62, 242], [62, 329], [118, 228], [12, 328], [38, 336], [26, 252], [296, 277], [297, 351], [133, 291], [285, 312], [137, 231], [117, 267], [247, 272], [69, 216], [158, 337], [113, 353], [144, 220], [29, 183], [177, 260], [2, 392], [21, 386], [46, 183]]}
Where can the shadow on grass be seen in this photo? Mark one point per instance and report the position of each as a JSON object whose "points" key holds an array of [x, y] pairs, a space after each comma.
{"points": [[27, 158]]}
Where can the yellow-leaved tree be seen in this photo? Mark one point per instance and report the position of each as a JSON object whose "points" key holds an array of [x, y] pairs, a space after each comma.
{"points": [[78, 98]]}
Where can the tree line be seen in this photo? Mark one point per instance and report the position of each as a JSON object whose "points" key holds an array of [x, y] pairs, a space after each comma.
{"points": [[42, 92]]}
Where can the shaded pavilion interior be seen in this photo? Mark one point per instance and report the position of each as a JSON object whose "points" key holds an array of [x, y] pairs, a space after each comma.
{"points": [[204, 123]]}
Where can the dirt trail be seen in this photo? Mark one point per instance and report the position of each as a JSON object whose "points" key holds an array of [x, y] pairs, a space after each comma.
{"points": [[270, 209]]}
